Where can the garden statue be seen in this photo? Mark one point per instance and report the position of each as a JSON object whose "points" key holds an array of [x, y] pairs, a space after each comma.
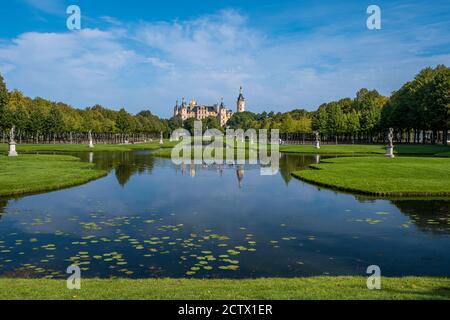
{"points": [[390, 147], [12, 144], [91, 143], [316, 140], [161, 141]]}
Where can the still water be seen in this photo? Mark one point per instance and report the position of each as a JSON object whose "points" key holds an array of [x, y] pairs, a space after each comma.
{"points": [[150, 218]]}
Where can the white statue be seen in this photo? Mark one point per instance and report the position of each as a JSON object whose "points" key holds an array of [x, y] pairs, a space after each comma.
{"points": [[12, 144], [161, 140], [390, 147], [91, 143], [316, 140]]}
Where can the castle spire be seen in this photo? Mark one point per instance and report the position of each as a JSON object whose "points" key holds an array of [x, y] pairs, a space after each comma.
{"points": [[240, 101]]}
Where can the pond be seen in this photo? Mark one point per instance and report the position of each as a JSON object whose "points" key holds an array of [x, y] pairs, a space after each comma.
{"points": [[150, 218]]}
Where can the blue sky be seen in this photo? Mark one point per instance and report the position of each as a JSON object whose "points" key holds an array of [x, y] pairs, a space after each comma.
{"points": [[287, 54]]}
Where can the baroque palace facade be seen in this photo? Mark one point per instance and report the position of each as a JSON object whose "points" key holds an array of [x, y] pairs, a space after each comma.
{"points": [[200, 112]]}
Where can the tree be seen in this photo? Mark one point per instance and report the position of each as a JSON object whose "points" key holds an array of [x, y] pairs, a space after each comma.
{"points": [[320, 120], [369, 105], [36, 123], [438, 101], [243, 120], [124, 121], [54, 123], [5, 114], [211, 123]]}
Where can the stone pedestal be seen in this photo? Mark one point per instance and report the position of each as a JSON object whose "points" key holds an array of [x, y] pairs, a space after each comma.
{"points": [[317, 145], [12, 150], [389, 152], [91, 144]]}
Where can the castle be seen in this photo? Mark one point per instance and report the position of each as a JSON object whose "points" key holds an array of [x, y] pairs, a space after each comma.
{"points": [[200, 112]]}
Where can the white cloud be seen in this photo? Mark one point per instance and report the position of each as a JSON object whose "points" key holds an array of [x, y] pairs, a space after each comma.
{"points": [[153, 64]]}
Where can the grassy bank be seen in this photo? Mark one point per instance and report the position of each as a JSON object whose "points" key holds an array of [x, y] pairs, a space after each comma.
{"points": [[266, 289], [167, 153], [39, 173], [408, 176], [84, 148], [366, 149]]}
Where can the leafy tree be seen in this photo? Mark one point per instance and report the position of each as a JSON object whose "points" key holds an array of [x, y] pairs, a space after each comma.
{"points": [[438, 100], [54, 123], [5, 114], [320, 119], [124, 121], [243, 120]]}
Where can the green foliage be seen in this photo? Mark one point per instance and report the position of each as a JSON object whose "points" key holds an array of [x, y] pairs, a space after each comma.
{"points": [[243, 120], [421, 104], [124, 121], [40, 116], [296, 121]]}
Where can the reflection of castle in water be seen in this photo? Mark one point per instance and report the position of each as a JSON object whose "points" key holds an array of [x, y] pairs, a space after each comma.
{"points": [[192, 169]]}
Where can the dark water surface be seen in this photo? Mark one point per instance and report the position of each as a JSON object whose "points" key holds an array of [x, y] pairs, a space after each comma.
{"points": [[150, 218]]}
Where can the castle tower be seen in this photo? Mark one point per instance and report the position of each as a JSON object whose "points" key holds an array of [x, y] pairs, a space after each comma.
{"points": [[175, 109], [240, 102]]}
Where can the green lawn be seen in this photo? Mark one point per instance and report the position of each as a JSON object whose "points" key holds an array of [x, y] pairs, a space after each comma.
{"points": [[39, 173], [167, 153], [365, 149], [407, 176], [422, 149], [85, 148], [320, 288]]}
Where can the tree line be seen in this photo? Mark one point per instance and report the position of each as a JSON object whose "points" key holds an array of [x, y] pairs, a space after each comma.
{"points": [[41, 120], [419, 112]]}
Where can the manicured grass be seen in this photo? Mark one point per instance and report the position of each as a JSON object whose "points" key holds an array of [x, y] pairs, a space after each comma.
{"points": [[334, 149], [407, 176], [85, 148], [320, 288], [39, 173], [167, 153], [365, 149], [422, 149]]}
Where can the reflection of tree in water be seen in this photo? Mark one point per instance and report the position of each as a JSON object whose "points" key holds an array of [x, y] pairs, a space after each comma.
{"points": [[291, 162], [125, 164], [428, 215], [3, 204]]}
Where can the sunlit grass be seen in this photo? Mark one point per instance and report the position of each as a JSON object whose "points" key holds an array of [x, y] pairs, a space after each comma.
{"points": [[84, 148], [383, 176], [321, 288], [39, 173], [365, 149]]}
